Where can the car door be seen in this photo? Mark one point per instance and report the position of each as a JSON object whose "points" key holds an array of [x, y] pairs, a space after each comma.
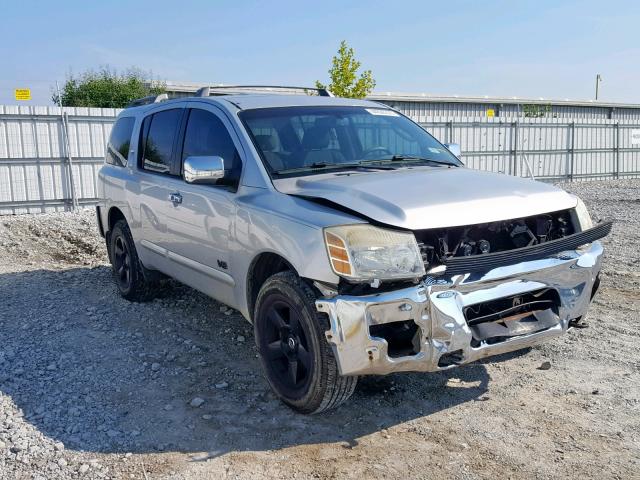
{"points": [[156, 164], [202, 218]]}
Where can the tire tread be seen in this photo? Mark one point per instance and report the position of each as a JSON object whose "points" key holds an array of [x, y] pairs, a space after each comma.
{"points": [[333, 389], [142, 290]]}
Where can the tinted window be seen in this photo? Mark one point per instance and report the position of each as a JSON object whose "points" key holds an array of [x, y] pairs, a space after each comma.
{"points": [[158, 146], [385, 136], [306, 140], [119, 141], [206, 135]]}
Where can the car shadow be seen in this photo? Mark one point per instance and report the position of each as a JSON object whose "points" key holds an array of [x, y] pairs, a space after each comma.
{"points": [[98, 373]]}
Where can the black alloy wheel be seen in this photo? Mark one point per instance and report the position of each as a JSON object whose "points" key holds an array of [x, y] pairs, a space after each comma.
{"points": [[286, 347], [122, 262], [128, 272], [297, 358]]}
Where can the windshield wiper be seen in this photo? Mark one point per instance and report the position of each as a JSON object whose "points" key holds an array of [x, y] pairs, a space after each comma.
{"points": [[414, 158], [332, 166]]}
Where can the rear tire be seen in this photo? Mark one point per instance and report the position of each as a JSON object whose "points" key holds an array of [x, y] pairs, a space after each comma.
{"points": [[296, 357], [128, 272]]}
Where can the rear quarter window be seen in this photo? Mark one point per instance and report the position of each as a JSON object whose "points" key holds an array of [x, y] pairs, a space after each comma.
{"points": [[120, 141]]}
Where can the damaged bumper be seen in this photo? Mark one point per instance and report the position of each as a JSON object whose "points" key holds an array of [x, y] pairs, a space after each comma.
{"points": [[450, 320]]}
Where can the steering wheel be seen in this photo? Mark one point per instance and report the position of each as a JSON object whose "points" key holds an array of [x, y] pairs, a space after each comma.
{"points": [[376, 150]]}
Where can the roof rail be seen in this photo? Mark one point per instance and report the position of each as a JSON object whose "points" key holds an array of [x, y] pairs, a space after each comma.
{"points": [[206, 91], [148, 100]]}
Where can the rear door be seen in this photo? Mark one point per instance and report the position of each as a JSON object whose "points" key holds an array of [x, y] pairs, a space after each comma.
{"points": [[157, 164]]}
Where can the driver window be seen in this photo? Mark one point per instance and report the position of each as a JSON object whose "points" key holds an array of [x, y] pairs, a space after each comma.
{"points": [[206, 135]]}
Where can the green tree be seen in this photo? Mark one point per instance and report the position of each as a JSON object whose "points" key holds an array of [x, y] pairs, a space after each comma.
{"points": [[343, 73], [107, 88], [536, 110]]}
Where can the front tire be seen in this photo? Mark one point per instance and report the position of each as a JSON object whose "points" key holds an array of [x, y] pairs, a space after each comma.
{"points": [[296, 357], [128, 272]]}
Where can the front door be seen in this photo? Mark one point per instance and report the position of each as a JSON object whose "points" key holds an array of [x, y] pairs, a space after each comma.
{"points": [[200, 220]]}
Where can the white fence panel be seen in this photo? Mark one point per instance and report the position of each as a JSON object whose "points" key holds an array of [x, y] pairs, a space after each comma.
{"points": [[34, 163], [35, 170]]}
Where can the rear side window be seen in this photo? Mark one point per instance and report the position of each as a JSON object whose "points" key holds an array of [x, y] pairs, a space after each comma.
{"points": [[119, 142], [159, 133], [206, 135]]}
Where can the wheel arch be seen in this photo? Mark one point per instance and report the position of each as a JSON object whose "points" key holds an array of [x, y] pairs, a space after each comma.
{"points": [[263, 265], [114, 215]]}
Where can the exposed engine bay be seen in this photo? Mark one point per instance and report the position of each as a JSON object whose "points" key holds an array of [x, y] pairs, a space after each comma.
{"points": [[438, 245]]}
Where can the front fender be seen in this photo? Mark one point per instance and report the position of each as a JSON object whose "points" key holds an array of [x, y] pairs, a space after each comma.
{"points": [[271, 222]]}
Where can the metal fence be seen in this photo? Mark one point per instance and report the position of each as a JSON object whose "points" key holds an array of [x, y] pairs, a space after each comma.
{"points": [[548, 149], [49, 158], [510, 109]]}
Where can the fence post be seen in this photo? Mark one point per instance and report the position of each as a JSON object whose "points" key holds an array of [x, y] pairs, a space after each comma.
{"points": [[69, 160], [67, 148], [572, 127], [514, 135], [617, 150]]}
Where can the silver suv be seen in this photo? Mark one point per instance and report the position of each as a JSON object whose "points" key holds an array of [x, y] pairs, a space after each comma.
{"points": [[354, 241]]}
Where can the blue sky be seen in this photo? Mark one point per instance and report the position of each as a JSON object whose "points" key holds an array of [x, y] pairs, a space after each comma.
{"points": [[547, 49]]}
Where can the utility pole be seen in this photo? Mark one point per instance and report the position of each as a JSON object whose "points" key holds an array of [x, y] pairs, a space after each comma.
{"points": [[598, 80]]}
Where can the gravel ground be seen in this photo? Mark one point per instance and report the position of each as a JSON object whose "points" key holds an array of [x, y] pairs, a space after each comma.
{"points": [[92, 386]]}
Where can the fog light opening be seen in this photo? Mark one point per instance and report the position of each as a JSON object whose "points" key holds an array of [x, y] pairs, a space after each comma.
{"points": [[403, 338]]}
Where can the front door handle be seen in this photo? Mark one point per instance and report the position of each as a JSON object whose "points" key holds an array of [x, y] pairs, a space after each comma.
{"points": [[175, 198]]}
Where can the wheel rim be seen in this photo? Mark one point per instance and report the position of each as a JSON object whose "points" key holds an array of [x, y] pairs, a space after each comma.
{"points": [[122, 262], [285, 348]]}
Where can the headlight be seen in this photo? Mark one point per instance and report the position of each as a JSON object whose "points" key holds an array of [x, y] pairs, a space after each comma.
{"points": [[366, 253], [584, 219]]}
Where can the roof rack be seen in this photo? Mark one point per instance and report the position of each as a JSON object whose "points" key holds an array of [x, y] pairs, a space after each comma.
{"points": [[206, 91], [148, 100]]}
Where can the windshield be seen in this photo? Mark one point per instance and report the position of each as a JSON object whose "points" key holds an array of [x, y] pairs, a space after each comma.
{"points": [[304, 140]]}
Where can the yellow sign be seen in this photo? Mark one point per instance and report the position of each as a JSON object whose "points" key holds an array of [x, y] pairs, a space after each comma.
{"points": [[23, 94], [491, 112]]}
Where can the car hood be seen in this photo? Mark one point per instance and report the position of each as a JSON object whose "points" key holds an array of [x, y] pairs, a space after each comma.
{"points": [[431, 197]]}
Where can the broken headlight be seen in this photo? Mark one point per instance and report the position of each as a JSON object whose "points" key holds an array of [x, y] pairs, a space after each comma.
{"points": [[368, 253], [582, 214]]}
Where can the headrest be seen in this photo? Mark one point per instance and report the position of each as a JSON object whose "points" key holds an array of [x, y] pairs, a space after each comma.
{"points": [[265, 142], [316, 138]]}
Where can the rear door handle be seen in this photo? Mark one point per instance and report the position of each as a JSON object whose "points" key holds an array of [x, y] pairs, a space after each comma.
{"points": [[175, 198]]}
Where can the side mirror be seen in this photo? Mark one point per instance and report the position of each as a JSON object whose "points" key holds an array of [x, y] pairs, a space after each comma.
{"points": [[203, 170], [454, 148]]}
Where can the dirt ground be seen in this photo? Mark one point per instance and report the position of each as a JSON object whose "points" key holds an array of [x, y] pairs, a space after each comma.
{"points": [[92, 386]]}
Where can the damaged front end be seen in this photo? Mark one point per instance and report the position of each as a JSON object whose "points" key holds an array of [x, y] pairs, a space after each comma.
{"points": [[444, 246], [470, 306]]}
